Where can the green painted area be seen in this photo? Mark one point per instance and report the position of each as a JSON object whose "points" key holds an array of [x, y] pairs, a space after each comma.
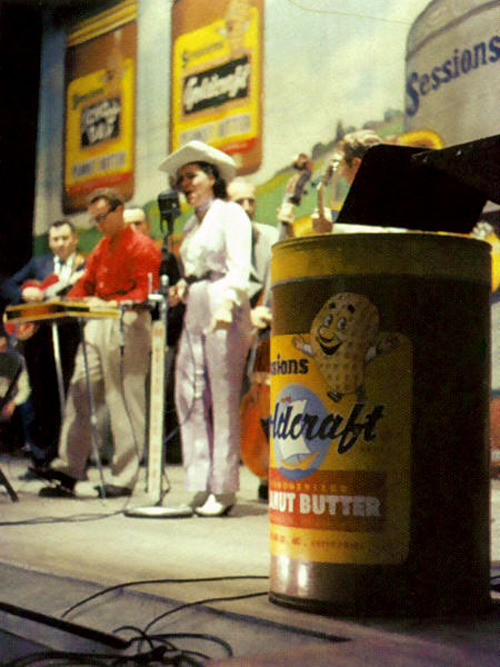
{"points": [[269, 194]]}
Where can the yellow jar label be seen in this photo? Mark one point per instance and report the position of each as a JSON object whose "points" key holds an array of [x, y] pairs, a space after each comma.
{"points": [[341, 404]]}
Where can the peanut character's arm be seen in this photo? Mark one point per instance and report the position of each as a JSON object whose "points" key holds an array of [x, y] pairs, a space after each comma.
{"points": [[302, 346], [385, 343]]}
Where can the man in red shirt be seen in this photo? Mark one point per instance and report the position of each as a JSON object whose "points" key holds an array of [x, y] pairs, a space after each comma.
{"points": [[123, 267]]}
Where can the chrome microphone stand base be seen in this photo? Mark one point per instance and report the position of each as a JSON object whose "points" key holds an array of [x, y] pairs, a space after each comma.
{"points": [[160, 512]]}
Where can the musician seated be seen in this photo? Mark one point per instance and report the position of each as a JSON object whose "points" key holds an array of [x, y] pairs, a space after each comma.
{"points": [[14, 392], [51, 274], [46, 276]]}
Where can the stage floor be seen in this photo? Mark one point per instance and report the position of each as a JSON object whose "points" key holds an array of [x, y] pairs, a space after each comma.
{"points": [[56, 553]]}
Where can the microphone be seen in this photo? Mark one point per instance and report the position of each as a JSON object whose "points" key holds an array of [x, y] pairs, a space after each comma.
{"points": [[170, 207]]}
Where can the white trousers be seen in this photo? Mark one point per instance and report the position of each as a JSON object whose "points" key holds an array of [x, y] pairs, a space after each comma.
{"points": [[117, 382], [208, 380]]}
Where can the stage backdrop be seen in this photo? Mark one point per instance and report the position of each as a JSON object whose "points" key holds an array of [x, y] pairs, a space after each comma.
{"points": [[122, 83]]}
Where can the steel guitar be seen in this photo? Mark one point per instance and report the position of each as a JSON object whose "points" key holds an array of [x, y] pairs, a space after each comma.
{"points": [[54, 312], [58, 309]]}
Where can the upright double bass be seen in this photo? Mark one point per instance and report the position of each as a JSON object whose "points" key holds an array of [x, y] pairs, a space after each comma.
{"points": [[255, 411], [294, 191], [321, 222]]}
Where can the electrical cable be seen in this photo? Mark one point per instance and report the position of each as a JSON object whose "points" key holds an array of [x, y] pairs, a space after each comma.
{"points": [[145, 582], [160, 648], [142, 637], [75, 518], [196, 603], [165, 640], [194, 635]]}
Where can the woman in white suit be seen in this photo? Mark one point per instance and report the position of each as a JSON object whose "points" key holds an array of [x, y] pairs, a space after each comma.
{"points": [[215, 263]]}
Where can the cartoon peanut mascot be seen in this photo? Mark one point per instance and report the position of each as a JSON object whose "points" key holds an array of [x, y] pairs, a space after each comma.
{"points": [[344, 337]]}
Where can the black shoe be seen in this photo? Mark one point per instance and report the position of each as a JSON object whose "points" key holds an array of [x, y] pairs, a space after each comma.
{"points": [[52, 475], [58, 491], [29, 475], [263, 492], [35, 471], [112, 491]]}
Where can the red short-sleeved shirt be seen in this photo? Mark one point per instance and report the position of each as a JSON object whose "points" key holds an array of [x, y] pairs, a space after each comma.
{"points": [[118, 269]]}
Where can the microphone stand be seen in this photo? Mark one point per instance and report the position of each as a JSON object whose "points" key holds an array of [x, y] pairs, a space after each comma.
{"points": [[169, 274]]}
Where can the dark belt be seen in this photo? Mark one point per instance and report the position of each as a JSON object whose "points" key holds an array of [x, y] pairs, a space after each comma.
{"points": [[196, 279]]}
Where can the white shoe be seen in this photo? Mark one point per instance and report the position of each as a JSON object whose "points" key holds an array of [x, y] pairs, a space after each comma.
{"points": [[199, 499], [217, 505]]}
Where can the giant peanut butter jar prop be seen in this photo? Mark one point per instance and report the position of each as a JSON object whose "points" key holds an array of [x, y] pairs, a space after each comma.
{"points": [[379, 479]]}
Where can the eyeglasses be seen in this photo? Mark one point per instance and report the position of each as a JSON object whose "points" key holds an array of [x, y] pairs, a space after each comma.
{"points": [[102, 217]]}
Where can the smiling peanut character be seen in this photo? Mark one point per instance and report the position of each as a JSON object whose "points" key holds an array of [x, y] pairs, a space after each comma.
{"points": [[343, 338]]}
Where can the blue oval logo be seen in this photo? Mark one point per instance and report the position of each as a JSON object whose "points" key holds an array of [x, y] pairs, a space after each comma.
{"points": [[299, 445]]}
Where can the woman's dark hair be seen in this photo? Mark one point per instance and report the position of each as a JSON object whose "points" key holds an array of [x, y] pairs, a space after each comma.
{"points": [[219, 187]]}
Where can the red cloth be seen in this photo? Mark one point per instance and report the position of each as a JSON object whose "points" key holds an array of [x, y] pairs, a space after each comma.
{"points": [[118, 269]]}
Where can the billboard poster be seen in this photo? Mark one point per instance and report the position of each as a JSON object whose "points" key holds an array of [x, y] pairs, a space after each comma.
{"points": [[100, 75], [216, 91]]}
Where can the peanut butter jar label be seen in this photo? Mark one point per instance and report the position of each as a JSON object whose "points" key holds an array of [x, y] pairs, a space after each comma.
{"points": [[341, 415]]}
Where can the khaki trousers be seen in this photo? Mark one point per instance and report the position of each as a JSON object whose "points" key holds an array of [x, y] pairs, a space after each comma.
{"points": [[118, 382]]}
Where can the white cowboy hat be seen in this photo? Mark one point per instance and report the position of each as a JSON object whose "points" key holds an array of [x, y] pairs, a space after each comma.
{"points": [[197, 151]]}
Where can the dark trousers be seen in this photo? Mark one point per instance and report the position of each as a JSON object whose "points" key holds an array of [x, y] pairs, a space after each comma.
{"points": [[45, 423]]}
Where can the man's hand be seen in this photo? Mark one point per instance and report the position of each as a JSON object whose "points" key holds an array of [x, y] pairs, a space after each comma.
{"points": [[32, 294], [261, 317], [178, 293]]}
